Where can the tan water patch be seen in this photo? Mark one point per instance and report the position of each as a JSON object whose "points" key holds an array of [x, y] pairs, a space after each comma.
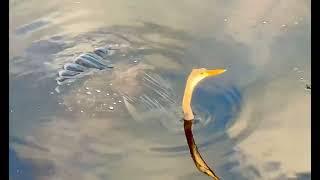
{"points": [[162, 62]]}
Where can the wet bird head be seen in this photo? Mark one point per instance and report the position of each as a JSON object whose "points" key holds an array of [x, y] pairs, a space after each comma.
{"points": [[197, 75], [194, 78]]}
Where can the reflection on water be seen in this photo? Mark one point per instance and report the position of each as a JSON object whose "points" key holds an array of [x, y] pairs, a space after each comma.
{"points": [[128, 118]]}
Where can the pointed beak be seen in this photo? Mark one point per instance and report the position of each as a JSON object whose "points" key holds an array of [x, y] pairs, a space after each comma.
{"points": [[215, 72]]}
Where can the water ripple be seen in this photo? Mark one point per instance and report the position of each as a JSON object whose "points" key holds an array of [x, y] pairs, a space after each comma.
{"points": [[216, 108]]}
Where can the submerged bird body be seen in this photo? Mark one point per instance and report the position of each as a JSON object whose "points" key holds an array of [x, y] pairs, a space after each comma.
{"points": [[194, 78]]}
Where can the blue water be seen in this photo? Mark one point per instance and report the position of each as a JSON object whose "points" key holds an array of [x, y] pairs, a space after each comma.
{"points": [[247, 117]]}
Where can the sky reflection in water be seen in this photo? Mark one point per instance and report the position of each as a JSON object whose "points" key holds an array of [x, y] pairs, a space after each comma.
{"points": [[256, 108]]}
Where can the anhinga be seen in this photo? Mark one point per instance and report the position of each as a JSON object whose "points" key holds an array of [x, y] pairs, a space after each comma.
{"points": [[194, 78]]}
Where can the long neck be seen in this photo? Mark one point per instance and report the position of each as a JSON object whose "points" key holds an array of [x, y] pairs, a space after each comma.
{"points": [[186, 101]]}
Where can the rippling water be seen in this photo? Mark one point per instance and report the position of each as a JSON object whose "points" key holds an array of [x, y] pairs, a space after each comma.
{"points": [[253, 122]]}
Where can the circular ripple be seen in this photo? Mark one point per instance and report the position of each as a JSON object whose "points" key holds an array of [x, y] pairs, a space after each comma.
{"points": [[155, 105], [216, 110], [214, 105]]}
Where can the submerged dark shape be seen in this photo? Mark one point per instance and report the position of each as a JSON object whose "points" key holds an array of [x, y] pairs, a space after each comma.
{"points": [[196, 156], [84, 62], [308, 87]]}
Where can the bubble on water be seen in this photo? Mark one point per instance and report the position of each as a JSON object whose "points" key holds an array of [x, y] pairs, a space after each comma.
{"points": [[104, 104], [283, 25], [114, 94], [114, 103], [264, 22], [108, 94], [86, 88], [88, 92], [119, 101], [225, 19], [110, 84], [135, 61], [81, 111], [51, 92], [98, 91], [123, 55], [11, 110], [296, 22], [111, 107]]}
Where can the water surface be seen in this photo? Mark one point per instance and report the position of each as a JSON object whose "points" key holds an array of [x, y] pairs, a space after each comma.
{"points": [[254, 120]]}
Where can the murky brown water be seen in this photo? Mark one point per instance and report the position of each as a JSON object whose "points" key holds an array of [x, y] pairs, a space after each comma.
{"points": [[125, 122]]}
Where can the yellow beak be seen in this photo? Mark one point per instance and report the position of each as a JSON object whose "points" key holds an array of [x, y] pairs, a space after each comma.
{"points": [[215, 72]]}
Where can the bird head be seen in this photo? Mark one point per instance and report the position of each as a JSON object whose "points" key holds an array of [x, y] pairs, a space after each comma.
{"points": [[194, 78], [197, 75]]}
